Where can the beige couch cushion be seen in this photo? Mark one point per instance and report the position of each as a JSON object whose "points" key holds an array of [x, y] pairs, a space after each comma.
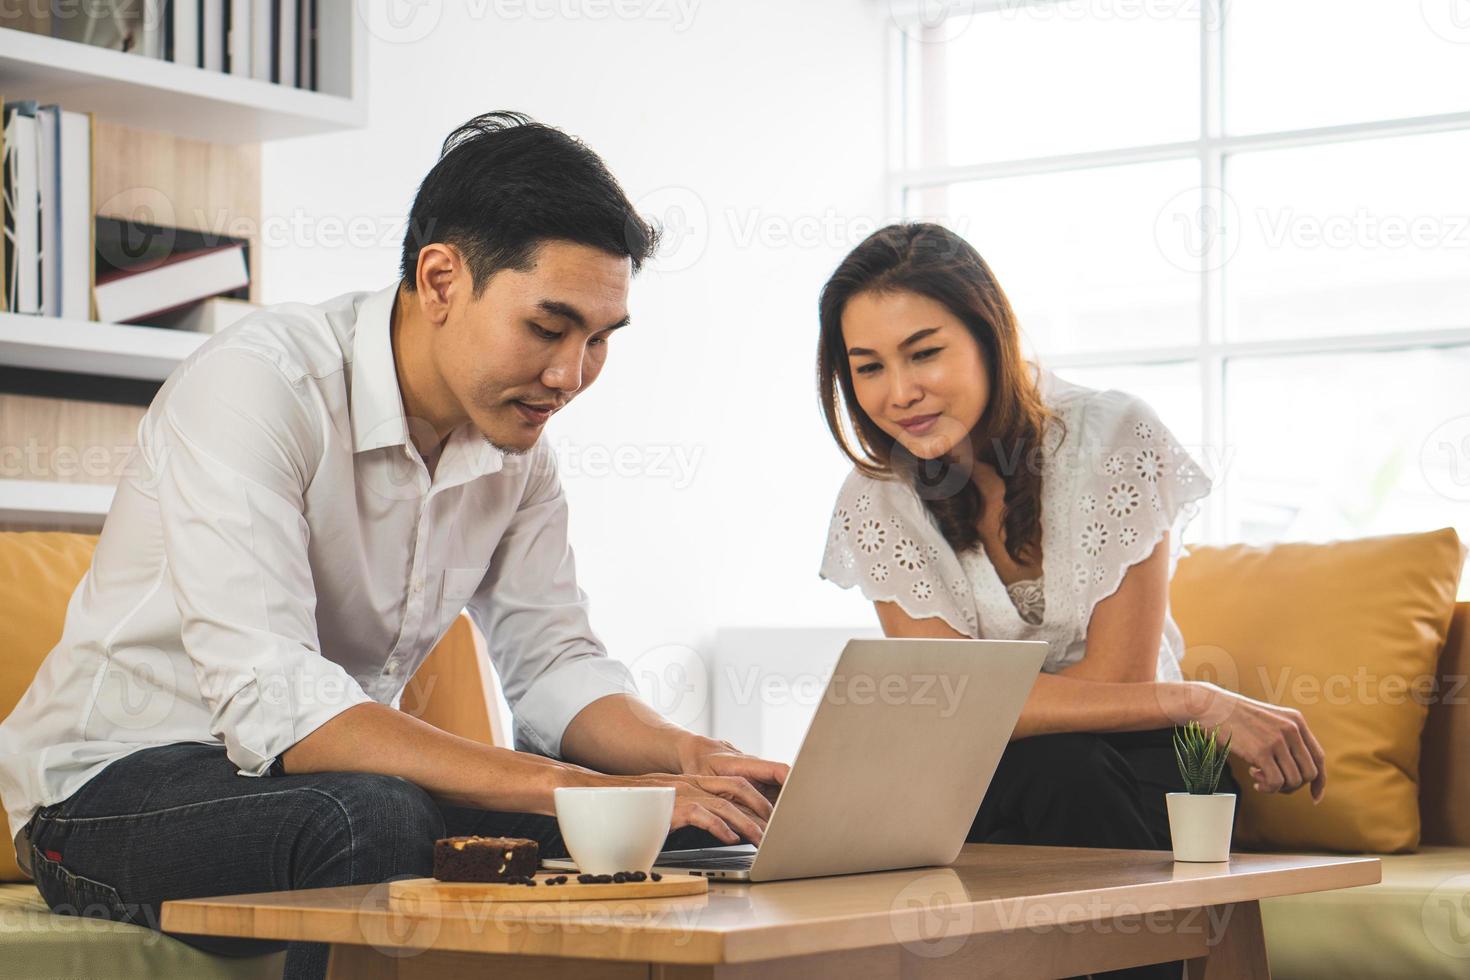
{"points": [[1415, 923], [37, 944]]}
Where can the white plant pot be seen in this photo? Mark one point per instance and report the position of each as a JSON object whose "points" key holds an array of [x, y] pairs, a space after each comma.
{"points": [[1201, 825]]}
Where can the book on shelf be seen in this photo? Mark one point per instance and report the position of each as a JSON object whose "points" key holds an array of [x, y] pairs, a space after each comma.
{"points": [[22, 219], [77, 249], [48, 153], [47, 161], [153, 27], [262, 40], [145, 271], [182, 18], [237, 37], [120, 25], [211, 316], [212, 35], [270, 40], [287, 17], [127, 296], [306, 60]]}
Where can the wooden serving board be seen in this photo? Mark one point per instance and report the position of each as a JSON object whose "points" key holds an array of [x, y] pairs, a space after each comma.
{"points": [[418, 892]]}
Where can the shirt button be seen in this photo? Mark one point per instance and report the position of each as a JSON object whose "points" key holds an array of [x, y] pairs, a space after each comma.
{"points": [[418, 585]]}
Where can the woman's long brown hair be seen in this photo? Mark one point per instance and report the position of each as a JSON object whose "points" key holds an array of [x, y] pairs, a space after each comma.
{"points": [[933, 261]]}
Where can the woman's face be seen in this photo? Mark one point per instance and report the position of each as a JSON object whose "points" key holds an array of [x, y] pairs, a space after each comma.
{"points": [[916, 370]]}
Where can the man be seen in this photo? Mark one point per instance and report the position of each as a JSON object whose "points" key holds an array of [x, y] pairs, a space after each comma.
{"points": [[318, 492]]}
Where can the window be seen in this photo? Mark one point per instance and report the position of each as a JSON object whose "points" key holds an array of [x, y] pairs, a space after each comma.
{"points": [[1253, 215]]}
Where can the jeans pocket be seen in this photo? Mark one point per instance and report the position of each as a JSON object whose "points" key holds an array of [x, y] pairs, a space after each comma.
{"points": [[67, 893]]}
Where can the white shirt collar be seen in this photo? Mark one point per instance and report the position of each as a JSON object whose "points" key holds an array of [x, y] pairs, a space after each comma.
{"points": [[377, 405], [378, 416]]}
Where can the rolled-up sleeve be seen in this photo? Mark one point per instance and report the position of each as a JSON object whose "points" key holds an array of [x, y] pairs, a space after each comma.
{"points": [[535, 620], [234, 449]]}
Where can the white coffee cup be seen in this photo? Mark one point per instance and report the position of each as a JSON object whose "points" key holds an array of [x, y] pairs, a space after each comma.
{"points": [[614, 828]]}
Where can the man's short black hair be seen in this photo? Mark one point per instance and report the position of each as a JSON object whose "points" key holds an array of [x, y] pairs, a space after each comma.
{"points": [[505, 184]]}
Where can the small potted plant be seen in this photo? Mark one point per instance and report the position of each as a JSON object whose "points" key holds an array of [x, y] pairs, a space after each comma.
{"points": [[1201, 820]]}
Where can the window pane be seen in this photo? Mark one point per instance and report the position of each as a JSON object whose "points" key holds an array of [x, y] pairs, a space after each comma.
{"points": [[1305, 63], [1330, 446], [1363, 237], [1171, 390], [1041, 78], [1081, 257]]}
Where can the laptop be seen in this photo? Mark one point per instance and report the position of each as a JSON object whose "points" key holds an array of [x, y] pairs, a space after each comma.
{"points": [[894, 764]]}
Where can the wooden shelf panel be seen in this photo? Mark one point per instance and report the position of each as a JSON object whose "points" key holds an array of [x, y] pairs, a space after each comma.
{"points": [[148, 93], [85, 347]]}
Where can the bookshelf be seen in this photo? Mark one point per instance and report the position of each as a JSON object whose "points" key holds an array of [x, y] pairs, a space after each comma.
{"points": [[87, 347], [147, 93], [160, 130], [52, 504]]}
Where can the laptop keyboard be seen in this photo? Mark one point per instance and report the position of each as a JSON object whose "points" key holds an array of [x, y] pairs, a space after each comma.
{"points": [[734, 863]]}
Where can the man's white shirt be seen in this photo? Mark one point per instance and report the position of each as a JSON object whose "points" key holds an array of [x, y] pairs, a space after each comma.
{"points": [[277, 552]]}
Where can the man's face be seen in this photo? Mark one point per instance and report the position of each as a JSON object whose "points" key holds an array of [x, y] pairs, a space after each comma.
{"points": [[532, 339]]}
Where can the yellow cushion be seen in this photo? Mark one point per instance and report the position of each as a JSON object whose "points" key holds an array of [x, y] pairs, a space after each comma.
{"points": [[39, 570], [1347, 632]]}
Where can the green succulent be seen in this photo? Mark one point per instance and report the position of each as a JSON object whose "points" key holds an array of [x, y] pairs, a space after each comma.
{"points": [[1201, 757]]}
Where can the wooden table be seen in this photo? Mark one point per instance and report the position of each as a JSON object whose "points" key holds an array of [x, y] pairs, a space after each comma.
{"points": [[999, 911]]}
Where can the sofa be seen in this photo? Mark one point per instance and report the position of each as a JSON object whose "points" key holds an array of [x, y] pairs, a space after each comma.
{"points": [[455, 689], [1416, 923]]}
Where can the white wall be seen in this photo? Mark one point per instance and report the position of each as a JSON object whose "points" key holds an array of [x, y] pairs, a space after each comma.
{"points": [[758, 126]]}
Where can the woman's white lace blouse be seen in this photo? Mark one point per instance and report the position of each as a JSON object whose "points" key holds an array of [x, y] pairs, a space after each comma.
{"points": [[1114, 480]]}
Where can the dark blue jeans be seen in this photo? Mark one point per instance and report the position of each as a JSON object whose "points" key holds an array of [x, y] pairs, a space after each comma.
{"points": [[178, 821]]}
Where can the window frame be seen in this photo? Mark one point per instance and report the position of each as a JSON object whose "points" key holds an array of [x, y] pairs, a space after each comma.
{"points": [[914, 31]]}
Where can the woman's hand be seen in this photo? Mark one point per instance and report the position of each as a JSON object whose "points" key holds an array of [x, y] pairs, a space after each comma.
{"points": [[1275, 742]]}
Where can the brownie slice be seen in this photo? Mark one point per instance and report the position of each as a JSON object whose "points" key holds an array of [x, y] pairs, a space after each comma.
{"points": [[485, 858]]}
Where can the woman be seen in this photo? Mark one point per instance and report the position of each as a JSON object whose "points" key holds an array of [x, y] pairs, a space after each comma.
{"points": [[992, 499]]}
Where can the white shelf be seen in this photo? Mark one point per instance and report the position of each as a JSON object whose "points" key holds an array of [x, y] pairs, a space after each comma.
{"points": [[85, 347], [148, 93], [76, 505]]}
